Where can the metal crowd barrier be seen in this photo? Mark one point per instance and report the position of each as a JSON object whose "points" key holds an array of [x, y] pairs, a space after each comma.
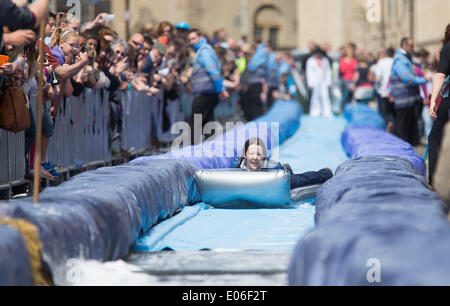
{"points": [[80, 135], [82, 130], [12, 161]]}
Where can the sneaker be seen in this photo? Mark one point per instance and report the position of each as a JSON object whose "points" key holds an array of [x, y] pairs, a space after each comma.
{"points": [[48, 166], [287, 167], [55, 174], [329, 170], [42, 174]]}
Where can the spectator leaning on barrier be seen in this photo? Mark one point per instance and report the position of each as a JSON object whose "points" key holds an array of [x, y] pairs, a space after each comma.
{"points": [[206, 81], [439, 112], [405, 91]]}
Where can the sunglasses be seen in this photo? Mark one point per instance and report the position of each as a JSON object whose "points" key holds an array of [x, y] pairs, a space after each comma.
{"points": [[140, 46], [122, 54], [73, 46]]}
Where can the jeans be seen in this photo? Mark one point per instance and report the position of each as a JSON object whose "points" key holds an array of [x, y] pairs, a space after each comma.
{"points": [[435, 138], [310, 178]]}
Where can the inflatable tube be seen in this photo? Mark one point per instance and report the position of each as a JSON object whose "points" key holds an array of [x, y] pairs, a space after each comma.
{"points": [[304, 193], [236, 188], [15, 268]]}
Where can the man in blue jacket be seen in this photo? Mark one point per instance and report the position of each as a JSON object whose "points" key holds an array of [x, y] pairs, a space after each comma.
{"points": [[206, 81], [406, 93]]}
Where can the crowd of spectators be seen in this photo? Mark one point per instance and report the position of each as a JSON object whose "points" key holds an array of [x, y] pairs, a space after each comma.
{"points": [[356, 75], [93, 56]]}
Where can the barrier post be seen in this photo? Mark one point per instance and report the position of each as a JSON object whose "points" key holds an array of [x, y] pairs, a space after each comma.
{"points": [[37, 155]]}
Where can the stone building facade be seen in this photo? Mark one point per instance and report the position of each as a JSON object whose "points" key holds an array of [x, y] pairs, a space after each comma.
{"points": [[289, 23]]}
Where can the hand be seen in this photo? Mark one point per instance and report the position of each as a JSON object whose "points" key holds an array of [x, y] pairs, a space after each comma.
{"points": [[157, 78], [224, 95], [6, 69], [429, 79], [83, 56], [122, 65], [432, 111], [99, 18], [19, 38]]}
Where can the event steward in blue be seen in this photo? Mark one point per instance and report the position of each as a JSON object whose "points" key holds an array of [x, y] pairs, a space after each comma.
{"points": [[406, 93], [206, 76], [206, 81], [404, 82]]}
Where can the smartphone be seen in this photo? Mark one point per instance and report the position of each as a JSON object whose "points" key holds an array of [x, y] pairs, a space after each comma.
{"points": [[110, 18], [4, 59]]}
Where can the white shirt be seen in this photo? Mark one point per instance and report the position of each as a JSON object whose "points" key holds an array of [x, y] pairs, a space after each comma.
{"points": [[318, 74], [383, 73]]}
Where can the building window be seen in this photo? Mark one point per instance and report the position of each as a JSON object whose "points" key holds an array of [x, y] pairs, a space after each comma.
{"points": [[268, 21], [273, 37]]}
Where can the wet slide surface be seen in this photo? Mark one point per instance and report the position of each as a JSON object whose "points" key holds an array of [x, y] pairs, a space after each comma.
{"points": [[241, 247]]}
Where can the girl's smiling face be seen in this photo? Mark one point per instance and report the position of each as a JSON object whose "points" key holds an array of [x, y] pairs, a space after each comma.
{"points": [[254, 157]]}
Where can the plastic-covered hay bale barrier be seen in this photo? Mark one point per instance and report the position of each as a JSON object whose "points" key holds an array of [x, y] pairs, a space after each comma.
{"points": [[275, 127], [367, 141], [99, 215], [377, 223], [363, 115], [15, 268]]}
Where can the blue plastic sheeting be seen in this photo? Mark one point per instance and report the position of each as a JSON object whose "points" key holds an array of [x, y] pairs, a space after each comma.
{"points": [[367, 141], [316, 145], [100, 214], [15, 269], [362, 115], [278, 124], [215, 229], [375, 210], [375, 183]]}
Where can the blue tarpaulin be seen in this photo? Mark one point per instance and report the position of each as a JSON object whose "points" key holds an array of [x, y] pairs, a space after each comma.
{"points": [[17, 270], [377, 222]]}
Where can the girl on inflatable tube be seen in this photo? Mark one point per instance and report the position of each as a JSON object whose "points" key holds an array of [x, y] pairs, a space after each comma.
{"points": [[255, 159]]}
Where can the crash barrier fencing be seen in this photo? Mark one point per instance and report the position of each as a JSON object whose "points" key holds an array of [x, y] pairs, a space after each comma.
{"points": [[85, 126], [377, 222], [111, 207], [12, 152]]}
